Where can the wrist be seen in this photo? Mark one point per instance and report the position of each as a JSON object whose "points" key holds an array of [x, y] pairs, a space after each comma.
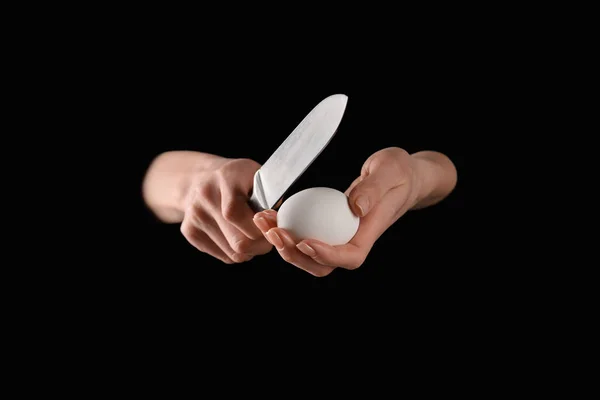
{"points": [[435, 177]]}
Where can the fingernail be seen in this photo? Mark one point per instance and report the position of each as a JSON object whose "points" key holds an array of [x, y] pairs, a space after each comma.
{"points": [[275, 239], [362, 203], [269, 216], [272, 217], [261, 223], [306, 249]]}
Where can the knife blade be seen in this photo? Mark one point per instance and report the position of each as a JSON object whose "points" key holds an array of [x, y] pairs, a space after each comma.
{"points": [[297, 152]]}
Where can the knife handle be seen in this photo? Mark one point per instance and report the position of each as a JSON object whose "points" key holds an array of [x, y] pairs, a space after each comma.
{"points": [[258, 201]]}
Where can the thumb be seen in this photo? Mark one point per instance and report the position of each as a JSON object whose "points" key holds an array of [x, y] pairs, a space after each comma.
{"points": [[377, 178]]}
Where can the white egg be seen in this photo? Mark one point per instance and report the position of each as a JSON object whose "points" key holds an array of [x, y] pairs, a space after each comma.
{"points": [[319, 213]]}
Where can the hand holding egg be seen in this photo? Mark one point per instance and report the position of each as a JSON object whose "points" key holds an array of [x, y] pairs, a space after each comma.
{"points": [[320, 229]]}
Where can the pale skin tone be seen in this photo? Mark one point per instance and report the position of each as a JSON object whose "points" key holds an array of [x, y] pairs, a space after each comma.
{"points": [[208, 195]]}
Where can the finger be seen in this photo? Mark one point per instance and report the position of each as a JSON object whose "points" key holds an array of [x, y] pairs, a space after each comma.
{"points": [[231, 240], [348, 256], [378, 220], [271, 214], [201, 241], [210, 226], [234, 195], [353, 185], [286, 246], [268, 213], [240, 243], [380, 174], [236, 211], [265, 220]]}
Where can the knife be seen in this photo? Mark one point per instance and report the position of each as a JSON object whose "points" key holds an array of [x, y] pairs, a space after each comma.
{"points": [[297, 152]]}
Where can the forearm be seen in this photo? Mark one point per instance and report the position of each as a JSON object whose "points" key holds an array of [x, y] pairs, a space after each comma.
{"points": [[168, 178], [437, 177]]}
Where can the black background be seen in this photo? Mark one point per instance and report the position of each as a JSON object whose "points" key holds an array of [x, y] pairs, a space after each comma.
{"points": [[241, 98], [248, 113], [138, 84]]}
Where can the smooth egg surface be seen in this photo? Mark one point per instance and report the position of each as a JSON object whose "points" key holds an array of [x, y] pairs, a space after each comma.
{"points": [[319, 213]]}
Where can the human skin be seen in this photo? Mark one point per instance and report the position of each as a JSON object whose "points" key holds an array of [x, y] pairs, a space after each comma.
{"points": [[391, 183], [208, 195]]}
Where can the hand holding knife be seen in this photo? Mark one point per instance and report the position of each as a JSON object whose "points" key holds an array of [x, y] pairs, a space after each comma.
{"points": [[297, 152]]}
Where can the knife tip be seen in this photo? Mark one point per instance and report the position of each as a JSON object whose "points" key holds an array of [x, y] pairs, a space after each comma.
{"points": [[341, 97]]}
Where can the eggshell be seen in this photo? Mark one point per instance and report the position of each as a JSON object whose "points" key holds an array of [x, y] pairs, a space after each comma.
{"points": [[319, 213]]}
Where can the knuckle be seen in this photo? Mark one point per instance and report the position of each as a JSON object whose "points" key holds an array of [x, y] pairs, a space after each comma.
{"points": [[392, 155], [233, 167], [395, 160], [187, 230], [201, 194], [224, 172], [395, 152], [198, 216], [401, 158], [204, 191], [356, 263], [196, 208], [230, 211], [287, 257], [241, 246], [247, 164], [321, 273], [240, 258], [191, 234]]}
